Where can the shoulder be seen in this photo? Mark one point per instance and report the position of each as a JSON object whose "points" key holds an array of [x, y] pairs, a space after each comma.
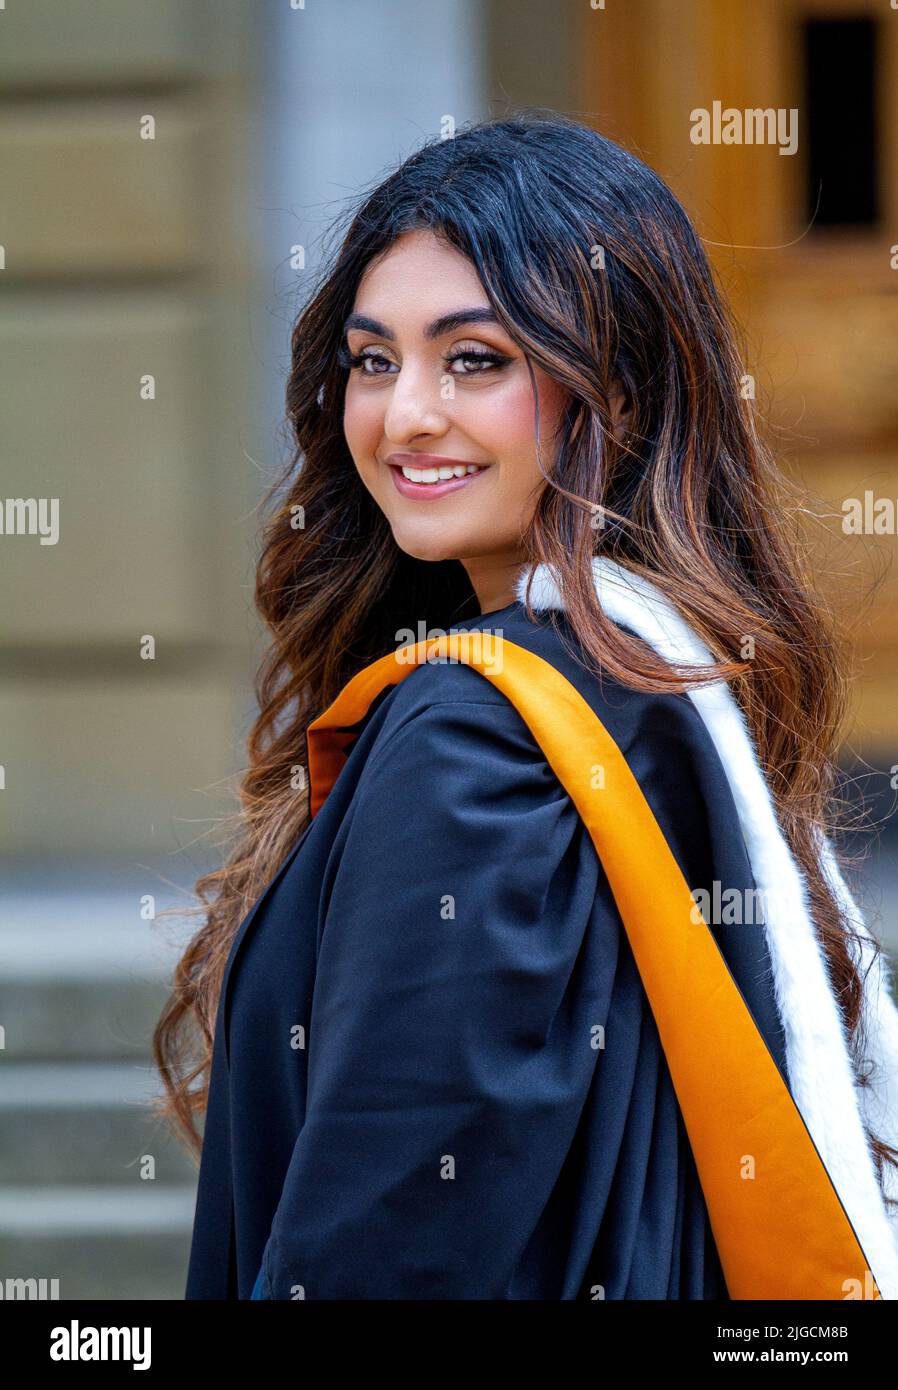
{"points": [[630, 715], [456, 770], [450, 738], [445, 709]]}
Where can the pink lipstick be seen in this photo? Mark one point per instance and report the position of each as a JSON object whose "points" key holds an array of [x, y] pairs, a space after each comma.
{"points": [[428, 464]]}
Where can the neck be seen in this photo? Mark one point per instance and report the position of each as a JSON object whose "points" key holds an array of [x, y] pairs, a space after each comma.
{"points": [[494, 581]]}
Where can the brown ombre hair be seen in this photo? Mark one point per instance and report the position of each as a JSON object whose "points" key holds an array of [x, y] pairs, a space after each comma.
{"points": [[596, 272]]}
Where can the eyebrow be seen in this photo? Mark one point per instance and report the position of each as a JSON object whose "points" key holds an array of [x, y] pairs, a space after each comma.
{"points": [[446, 323]]}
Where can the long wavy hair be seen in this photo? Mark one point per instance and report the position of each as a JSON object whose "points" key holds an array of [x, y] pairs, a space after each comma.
{"points": [[596, 272]]}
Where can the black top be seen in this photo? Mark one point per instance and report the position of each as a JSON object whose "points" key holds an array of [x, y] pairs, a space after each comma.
{"points": [[436, 1072]]}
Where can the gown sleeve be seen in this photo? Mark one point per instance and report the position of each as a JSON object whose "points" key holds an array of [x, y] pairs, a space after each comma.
{"points": [[457, 1018]]}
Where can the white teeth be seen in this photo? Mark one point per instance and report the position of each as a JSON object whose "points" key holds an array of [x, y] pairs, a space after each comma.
{"points": [[438, 475]]}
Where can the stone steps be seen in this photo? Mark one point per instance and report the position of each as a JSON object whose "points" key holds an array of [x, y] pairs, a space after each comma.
{"points": [[95, 1192], [72, 1123], [98, 1241]]}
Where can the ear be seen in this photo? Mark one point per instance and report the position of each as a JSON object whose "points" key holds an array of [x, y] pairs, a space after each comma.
{"points": [[621, 411]]}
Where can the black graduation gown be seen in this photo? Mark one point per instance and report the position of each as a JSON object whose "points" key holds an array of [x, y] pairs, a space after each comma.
{"points": [[436, 1074]]}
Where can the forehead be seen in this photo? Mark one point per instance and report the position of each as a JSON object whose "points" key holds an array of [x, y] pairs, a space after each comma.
{"points": [[419, 266]]}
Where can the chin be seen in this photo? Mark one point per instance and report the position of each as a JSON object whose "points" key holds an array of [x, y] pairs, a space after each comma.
{"points": [[421, 545], [431, 551]]}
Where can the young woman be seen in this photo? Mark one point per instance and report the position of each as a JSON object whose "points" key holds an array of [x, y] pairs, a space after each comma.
{"points": [[532, 974]]}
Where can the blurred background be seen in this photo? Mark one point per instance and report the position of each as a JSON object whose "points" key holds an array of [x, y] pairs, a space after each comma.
{"points": [[169, 170]]}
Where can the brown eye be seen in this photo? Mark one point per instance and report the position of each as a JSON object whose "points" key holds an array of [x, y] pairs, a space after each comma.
{"points": [[351, 360], [481, 362]]}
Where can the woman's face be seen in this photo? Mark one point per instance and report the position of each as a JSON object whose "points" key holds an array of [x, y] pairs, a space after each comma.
{"points": [[432, 393]]}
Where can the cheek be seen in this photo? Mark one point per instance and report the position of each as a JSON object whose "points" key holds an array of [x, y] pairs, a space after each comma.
{"points": [[507, 417], [511, 420], [362, 422]]}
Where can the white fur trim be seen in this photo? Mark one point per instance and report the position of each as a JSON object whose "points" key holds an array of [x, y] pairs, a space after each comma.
{"points": [[821, 1077]]}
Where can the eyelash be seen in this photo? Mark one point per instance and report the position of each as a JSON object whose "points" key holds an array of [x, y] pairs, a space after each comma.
{"points": [[351, 360]]}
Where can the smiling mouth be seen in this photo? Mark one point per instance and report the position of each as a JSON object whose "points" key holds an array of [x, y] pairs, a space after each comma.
{"points": [[433, 482], [437, 475]]}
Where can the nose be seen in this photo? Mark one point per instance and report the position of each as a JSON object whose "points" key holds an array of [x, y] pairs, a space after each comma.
{"points": [[415, 405]]}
